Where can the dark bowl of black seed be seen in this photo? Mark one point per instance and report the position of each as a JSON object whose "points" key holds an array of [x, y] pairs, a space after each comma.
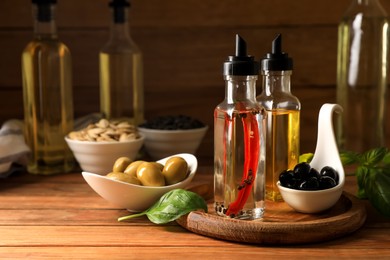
{"points": [[172, 134]]}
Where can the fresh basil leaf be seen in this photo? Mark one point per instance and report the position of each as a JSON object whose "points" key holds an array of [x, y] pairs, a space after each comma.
{"points": [[171, 206], [175, 204], [361, 175], [306, 157], [374, 156], [386, 159], [348, 158], [373, 176], [377, 189]]}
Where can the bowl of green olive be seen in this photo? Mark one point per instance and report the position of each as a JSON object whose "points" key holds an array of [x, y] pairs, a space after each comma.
{"points": [[137, 185]]}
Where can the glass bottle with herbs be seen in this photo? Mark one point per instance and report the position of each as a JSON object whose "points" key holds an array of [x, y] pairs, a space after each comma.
{"points": [[239, 141]]}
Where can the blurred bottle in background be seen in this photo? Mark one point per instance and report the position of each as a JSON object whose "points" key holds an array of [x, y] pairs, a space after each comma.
{"points": [[362, 67], [121, 72], [47, 92]]}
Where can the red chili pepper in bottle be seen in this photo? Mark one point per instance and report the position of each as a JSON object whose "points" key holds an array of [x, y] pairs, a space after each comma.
{"points": [[239, 140], [251, 142]]}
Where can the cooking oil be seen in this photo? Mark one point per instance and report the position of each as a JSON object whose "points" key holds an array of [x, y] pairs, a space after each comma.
{"points": [[362, 72], [121, 86], [283, 117], [121, 71], [282, 150], [47, 91]]}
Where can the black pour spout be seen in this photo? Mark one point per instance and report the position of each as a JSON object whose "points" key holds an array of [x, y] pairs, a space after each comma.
{"points": [[277, 60], [241, 64]]}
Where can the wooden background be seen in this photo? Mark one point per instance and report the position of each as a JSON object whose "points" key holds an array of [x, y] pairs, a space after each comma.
{"points": [[184, 43]]}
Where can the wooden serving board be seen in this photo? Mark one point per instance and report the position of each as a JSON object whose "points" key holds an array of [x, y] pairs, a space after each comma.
{"points": [[281, 225]]}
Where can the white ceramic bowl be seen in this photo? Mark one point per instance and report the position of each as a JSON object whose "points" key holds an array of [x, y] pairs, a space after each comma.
{"points": [[136, 198], [326, 154], [162, 143], [99, 157], [311, 201]]}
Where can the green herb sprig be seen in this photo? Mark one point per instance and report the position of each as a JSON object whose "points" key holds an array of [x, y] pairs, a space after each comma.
{"points": [[171, 206], [373, 175]]}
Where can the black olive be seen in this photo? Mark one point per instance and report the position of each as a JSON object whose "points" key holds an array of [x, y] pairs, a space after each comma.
{"points": [[310, 184], [304, 177], [314, 173], [329, 171], [287, 179], [301, 171], [327, 182]]}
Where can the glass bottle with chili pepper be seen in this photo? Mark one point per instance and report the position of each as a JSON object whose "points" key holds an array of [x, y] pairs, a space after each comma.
{"points": [[239, 141]]}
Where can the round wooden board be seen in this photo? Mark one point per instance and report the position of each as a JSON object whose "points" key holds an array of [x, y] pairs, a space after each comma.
{"points": [[281, 225]]}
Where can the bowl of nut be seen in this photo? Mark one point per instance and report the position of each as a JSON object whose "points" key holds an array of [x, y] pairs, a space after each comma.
{"points": [[137, 185], [165, 135], [316, 186], [97, 146]]}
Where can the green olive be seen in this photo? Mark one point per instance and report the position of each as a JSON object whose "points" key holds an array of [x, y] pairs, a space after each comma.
{"points": [[132, 168], [120, 176], [120, 164], [175, 170], [150, 175], [159, 165]]}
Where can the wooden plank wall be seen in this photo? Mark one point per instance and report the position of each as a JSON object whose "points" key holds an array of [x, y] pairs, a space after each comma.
{"points": [[185, 43]]}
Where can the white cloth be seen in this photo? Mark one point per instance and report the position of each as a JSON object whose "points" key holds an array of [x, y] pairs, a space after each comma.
{"points": [[13, 148]]}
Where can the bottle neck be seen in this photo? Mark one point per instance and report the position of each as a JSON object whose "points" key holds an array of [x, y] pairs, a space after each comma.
{"points": [[370, 4], [44, 21], [365, 2], [368, 8], [240, 88], [120, 26], [276, 81]]}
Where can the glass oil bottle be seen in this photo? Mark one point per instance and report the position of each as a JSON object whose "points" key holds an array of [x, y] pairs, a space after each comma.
{"points": [[239, 142], [283, 117], [47, 93], [121, 72], [362, 75]]}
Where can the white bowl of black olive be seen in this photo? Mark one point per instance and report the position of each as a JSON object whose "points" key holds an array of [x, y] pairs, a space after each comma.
{"points": [[309, 190], [316, 187]]}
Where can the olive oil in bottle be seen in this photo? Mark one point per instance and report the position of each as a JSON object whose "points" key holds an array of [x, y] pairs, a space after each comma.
{"points": [[362, 76], [47, 92], [121, 72], [283, 117], [281, 140]]}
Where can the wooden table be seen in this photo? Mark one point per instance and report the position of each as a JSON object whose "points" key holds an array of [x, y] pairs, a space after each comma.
{"points": [[62, 217]]}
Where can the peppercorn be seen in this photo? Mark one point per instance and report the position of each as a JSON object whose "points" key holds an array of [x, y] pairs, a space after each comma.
{"points": [[179, 122]]}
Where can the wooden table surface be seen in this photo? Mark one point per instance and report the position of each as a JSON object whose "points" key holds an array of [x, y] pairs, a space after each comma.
{"points": [[60, 216]]}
